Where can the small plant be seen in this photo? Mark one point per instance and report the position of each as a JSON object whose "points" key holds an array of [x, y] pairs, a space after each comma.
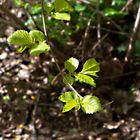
{"points": [[35, 41]]}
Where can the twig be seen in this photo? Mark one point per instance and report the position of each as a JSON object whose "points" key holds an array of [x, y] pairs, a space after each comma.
{"points": [[119, 75], [58, 67], [112, 31], [133, 37], [85, 38], [98, 24], [129, 2], [97, 43]]}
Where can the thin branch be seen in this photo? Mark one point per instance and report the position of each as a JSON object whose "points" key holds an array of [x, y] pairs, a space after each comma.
{"points": [[85, 38], [133, 37], [97, 43], [43, 20], [129, 2], [98, 24], [58, 67], [112, 31]]}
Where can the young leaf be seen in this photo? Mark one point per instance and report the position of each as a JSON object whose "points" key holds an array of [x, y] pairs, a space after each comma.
{"points": [[37, 35], [62, 5], [91, 104], [36, 50], [69, 105], [71, 64], [20, 37], [22, 49], [91, 73], [48, 7], [68, 79], [67, 96], [85, 79], [61, 16], [91, 65]]}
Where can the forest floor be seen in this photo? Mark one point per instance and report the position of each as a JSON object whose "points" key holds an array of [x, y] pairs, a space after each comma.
{"points": [[30, 109]]}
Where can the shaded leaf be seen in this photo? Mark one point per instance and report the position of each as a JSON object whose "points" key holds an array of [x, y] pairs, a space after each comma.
{"points": [[110, 12], [68, 79], [85, 79], [80, 7], [20, 37], [91, 104], [71, 64], [49, 7]]}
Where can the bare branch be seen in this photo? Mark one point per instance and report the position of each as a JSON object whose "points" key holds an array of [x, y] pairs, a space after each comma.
{"points": [[133, 37]]}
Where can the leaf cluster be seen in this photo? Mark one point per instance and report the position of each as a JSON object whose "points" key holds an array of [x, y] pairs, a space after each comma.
{"points": [[34, 41], [89, 104], [59, 10], [90, 68]]}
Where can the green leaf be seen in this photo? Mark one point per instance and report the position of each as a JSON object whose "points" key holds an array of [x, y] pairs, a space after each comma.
{"points": [[71, 64], [137, 48], [68, 79], [110, 12], [20, 37], [91, 65], [36, 50], [37, 35], [22, 49], [91, 104], [80, 7], [62, 5], [90, 73], [49, 7], [67, 96], [69, 105], [61, 16], [85, 79]]}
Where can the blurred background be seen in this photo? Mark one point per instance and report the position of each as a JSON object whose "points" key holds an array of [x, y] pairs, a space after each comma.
{"points": [[107, 30]]}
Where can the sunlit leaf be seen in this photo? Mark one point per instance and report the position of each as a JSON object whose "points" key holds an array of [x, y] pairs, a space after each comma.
{"points": [[22, 49], [20, 37], [38, 49], [85, 79], [91, 104], [69, 105], [67, 96], [91, 73], [61, 16], [37, 35], [91, 65], [62, 6], [71, 64]]}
